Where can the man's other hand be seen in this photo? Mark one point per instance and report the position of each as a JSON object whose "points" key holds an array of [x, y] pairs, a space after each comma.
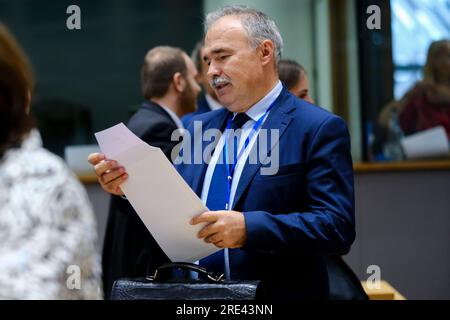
{"points": [[225, 229]]}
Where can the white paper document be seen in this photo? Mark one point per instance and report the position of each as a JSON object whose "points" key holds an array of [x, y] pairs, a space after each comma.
{"points": [[160, 196], [428, 143]]}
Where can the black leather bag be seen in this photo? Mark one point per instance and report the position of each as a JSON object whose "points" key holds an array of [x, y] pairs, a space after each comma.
{"points": [[161, 286]]}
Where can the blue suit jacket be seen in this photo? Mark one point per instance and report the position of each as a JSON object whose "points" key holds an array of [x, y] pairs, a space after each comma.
{"points": [[298, 215]]}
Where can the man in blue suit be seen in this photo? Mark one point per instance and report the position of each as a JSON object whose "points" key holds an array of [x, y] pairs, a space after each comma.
{"points": [[273, 227]]}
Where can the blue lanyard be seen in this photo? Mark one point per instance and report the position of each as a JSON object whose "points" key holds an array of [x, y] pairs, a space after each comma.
{"points": [[230, 169]]}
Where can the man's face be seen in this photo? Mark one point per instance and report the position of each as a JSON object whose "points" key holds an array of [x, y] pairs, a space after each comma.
{"points": [[188, 97], [235, 68], [301, 89]]}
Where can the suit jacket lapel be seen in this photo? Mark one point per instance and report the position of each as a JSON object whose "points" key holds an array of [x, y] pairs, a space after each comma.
{"points": [[278, 118]]}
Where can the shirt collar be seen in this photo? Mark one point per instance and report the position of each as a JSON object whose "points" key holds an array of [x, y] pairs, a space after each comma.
{"points": [[174, 117], [259, 108]]}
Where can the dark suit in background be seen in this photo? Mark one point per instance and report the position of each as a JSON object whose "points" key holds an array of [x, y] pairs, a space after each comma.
{"points": [[129, 250]]}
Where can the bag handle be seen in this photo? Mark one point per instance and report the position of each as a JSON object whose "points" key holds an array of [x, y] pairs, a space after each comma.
{"points": [[186, 267]]}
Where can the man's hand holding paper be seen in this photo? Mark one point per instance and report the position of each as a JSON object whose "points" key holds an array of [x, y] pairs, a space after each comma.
{"points": [[150, 183], [110, 174]]}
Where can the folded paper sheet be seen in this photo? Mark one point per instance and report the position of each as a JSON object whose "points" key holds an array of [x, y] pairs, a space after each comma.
{"points": [[428, 143], [160, 196]]}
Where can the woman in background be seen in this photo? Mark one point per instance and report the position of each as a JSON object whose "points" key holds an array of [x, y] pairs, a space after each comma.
{"points": [[47, 227], [294, 77], [427, 104]]}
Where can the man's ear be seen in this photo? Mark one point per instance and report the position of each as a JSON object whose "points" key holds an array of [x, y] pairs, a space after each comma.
{"points": [[266, 52], [179, 83]]}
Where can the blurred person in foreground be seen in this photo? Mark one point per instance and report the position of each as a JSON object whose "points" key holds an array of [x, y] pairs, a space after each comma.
{"points": [[294, 77], [47, 227]]}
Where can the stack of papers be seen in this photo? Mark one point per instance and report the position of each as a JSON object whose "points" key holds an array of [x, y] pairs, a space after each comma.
{"points": [[425, 144]]}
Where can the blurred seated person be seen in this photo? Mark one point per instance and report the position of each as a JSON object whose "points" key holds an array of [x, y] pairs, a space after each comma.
{"points": [[294, 77], [47, 227], [427, 104], [208, 100]]}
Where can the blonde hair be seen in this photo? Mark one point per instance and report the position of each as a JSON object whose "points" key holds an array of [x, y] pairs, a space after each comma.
{"points": [[437, 50]]}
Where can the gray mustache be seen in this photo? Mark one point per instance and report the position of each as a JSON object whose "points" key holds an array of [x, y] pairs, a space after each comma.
{"points": [[219, 81]]}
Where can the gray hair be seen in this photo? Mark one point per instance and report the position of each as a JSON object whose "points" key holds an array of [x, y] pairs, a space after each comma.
{"points": [[257, 24]]}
